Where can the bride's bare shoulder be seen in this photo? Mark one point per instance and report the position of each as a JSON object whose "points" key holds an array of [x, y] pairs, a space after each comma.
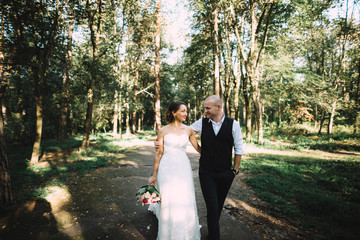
{"points": [[164, 130], [188, 129]]}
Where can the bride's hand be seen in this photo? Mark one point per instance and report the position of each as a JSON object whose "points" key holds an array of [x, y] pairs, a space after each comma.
{"points": [[152, 180]]}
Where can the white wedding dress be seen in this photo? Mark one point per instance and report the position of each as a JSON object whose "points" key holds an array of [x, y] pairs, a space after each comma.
{"points": [[177, 212]]}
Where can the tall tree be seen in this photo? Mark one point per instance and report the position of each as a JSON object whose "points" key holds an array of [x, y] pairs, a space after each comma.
{"points": [[94, 16], [140, 40], [356, 124], [216, 53], [229, 78], [157, 67], [345, 30], [65, 99], [5, 181], [259, 16], [117, 72], [44, 21]]}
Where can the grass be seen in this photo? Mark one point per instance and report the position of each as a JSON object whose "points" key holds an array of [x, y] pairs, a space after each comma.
{"points": [[322, 195], [318, 193], [67, 164]]}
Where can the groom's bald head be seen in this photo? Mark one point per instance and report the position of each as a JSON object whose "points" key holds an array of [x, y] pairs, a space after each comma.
{"points": [[214, 99]]}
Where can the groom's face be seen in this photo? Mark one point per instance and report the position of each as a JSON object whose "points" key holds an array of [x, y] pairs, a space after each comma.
{"points": [[211, 110]]}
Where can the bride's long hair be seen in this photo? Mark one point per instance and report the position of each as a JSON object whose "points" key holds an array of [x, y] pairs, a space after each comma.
{"points": [[173, 107]]}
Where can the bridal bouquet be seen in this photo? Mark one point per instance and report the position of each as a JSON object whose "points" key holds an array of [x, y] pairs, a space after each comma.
{"points": [[148, 195]]}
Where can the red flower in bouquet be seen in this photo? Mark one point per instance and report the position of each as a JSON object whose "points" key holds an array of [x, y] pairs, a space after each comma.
{"points": [[148, 195]]}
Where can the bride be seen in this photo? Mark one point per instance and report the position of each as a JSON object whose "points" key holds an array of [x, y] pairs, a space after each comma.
{"points": [[177, 212]]}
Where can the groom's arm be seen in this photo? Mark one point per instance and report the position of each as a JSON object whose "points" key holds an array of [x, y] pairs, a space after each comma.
{"points": [[197, 126], [238, 140], [237, 161], [238, 144]]}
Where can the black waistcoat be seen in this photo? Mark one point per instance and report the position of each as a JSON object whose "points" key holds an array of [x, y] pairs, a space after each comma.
{"points": [[216, 150]]}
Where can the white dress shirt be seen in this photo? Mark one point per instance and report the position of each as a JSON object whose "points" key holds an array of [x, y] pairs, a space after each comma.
{"points": [[236, 133]]}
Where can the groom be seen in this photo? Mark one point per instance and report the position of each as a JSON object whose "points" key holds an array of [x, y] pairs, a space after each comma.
{"points": [[219, 134]]}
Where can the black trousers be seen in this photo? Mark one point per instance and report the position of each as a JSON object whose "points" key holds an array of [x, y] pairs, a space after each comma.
{"points": [[215, 186]]}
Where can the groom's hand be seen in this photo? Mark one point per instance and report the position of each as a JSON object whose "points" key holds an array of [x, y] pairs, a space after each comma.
{"points": [[156, 144]]}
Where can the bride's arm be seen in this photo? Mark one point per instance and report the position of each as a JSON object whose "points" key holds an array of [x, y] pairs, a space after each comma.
{"points": [[194, 141], [158, 154]]}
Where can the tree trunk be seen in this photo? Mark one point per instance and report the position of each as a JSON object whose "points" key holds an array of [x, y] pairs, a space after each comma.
{"points": [[127, 118], [258, 112], [254, 126], [137, 67], [236, 94], [253, 74], [5, 184], [278, 113], [116, 114], [140, 121], [228, 73], [357, 101], [322, 120], [127, 111], [244, 114], [64, 108], [226, 96], [216, 51], [36, 152], [94, 37], [157, 68], [39, 71], [89, 112], [252, 58], [331, 117], [119, 82], [316, 116], [135, 99], [248, 116], [120, 115], [195, 109], [245, 80]]}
